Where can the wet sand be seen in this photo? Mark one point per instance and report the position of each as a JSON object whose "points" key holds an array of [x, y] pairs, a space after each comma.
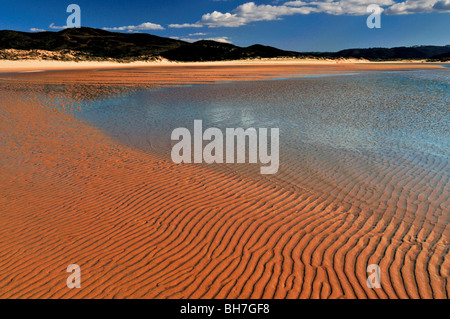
{"points": [[142, 227], [169, 73]]}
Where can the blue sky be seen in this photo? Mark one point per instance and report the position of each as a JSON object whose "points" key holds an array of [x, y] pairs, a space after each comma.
{"points": [[306, 25]]}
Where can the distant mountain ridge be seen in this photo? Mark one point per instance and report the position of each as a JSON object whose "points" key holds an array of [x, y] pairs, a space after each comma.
{"points": [[91, 43], [415, 52], [206, 50], [95, 42]]}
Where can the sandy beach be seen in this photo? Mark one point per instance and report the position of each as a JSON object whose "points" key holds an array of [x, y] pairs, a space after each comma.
{"points": [[141, 226], [31, 65]]}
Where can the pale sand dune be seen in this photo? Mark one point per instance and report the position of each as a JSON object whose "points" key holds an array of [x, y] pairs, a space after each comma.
{"points": [[49, 65], [141, 226], [167, 73], [45, 65]]}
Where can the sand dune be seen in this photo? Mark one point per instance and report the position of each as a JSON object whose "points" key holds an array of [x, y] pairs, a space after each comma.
{"points": [[142, 227], [28, 65]]}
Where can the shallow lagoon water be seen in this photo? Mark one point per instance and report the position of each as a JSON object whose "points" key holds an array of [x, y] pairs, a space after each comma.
{"points": [[358, 111], [373, 140]]}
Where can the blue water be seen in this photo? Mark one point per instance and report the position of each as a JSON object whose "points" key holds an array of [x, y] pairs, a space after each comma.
{"points": [[404, 111], [356, 137]]}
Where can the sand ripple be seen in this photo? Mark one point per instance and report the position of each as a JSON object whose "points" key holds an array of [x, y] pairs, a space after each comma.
{"points": [[142, 227]]}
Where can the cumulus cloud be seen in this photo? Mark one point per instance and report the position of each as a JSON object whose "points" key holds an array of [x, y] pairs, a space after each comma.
{"points": [[55, 27], [185, 25], [250, 12], [37, 30], [419, 6], [141, 27], [342, 7], [221, 39], [197, 34], [443, 5]]}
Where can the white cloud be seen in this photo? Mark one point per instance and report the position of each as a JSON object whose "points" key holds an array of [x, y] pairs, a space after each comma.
{"points": [[141, 27], [185, 25], [419, 6], [251, 12], [443, 5], [37, 30], [53, 26], [220, 39], [190, 39], [343, 7]]}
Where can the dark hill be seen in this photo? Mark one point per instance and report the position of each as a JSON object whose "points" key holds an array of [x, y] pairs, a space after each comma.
{"points": [[398, 53], [445, 57], [105, 44], [97, 43], [207, 50]]}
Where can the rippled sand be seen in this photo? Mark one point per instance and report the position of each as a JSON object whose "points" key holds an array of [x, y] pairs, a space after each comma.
{"points": [[78, 185]]}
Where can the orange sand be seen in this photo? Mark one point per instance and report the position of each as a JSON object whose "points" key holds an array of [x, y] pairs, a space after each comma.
{"points": [[140, 226], [172, 73]]}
